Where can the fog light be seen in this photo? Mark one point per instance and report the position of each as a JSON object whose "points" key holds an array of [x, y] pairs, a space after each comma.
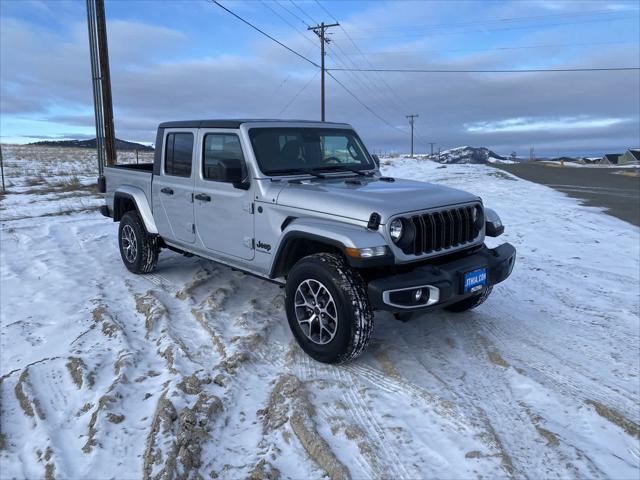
{"points": [[417, 295]]}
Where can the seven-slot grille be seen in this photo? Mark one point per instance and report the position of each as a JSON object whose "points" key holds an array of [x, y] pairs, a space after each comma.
{"points": [[441, 230]]}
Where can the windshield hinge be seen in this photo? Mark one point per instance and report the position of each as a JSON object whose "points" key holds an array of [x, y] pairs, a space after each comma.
{"points": [[249, 242]]}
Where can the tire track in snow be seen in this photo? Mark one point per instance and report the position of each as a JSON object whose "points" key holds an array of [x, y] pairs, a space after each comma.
{"points": [[564, 375], [488, 389]]}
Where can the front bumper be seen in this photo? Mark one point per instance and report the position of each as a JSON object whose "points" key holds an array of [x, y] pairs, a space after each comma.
{"points": [[442, 284]]}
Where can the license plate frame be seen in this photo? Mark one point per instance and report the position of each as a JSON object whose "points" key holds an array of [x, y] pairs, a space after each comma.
{"points": [[474, 280]]}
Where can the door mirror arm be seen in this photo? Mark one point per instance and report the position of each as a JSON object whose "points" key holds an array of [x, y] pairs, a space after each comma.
{"points": [[242, 185]]}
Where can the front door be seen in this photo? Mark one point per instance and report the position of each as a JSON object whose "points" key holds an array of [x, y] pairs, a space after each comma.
{"points": [[223, 212], [173, 187]]}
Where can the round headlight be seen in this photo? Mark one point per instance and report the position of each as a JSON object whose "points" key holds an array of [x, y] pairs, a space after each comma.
{"points": [[395, 230], [478, 217]]}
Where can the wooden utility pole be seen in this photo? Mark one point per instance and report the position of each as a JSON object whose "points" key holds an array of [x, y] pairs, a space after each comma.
{"points": [[4, 190], [319, 30], [411, 120], [103, 107], [432, 144]]}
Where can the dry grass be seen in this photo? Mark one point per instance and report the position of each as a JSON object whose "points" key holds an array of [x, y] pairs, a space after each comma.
{"points": [[72, 184]]}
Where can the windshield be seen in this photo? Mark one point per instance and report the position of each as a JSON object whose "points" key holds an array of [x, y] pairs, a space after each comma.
{"points": [[281, 151]]}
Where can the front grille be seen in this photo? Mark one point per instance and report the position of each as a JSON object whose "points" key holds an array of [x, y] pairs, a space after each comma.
{"points": [[442, 230]]}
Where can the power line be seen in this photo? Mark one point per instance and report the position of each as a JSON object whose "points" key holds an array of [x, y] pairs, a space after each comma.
{"points": [[265, 34], [374, 87], [524, 70], [490, 30], [293, 14], [364, 104], [266, 4], [522, 47], [305, 13], [368, 82], [485, 22], [359, 51], [305, 86], [309, 61]]}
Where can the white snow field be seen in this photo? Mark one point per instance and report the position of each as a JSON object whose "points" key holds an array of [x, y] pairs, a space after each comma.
{"points": [[191, 372]]}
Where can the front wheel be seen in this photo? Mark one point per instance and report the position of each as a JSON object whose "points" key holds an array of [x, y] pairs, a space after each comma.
{"points": [[328, 308], [138, 249]]}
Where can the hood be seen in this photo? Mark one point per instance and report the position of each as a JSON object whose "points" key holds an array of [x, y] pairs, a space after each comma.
{"points": [[359, 201]]}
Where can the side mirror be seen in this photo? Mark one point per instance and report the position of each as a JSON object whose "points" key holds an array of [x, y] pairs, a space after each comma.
{"points": [[376, 159], [231, 171]]}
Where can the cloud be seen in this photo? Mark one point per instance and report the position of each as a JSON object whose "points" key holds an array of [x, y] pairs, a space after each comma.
{"points": [[156, 77], [528, 124]]}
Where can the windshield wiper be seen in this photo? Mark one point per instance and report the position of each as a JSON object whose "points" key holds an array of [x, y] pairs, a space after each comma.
{"points": [[294, 171], [343, 168]]}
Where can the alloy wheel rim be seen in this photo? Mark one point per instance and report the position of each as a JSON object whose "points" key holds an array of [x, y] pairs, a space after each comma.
{"points": [[316, 312], [129, 244]]}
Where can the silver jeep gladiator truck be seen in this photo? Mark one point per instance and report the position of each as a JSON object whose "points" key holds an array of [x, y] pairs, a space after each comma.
{"points": [[304, 204]]}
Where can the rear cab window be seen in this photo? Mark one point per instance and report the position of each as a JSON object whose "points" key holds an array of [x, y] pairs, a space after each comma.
{"points": [[178, 154]]}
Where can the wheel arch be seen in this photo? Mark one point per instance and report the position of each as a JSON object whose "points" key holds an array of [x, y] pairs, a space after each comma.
{"points": [[131, 198], [302, 237], [296, 245]]}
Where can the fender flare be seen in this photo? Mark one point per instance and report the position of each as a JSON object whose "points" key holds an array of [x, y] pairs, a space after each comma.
{"points": [[139, 199], [335, 234]]}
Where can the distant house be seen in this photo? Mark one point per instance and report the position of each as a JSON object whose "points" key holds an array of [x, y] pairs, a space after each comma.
{"points": [[609, 159], [630, 157]]}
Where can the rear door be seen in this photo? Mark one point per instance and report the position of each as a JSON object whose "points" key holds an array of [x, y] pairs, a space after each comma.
{"points": [[223, 212], [173, 187]]}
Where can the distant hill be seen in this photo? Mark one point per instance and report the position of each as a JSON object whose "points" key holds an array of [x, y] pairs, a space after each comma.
{"points": [[471, 155], [120, 144]]}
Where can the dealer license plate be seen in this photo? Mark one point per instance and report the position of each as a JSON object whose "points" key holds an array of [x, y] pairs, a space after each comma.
{"points": [[475, 280]]}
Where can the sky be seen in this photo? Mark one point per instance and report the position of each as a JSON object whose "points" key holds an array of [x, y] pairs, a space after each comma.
{"points": [[173, 60]]}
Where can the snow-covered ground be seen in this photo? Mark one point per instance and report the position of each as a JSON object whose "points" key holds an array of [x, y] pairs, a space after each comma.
{"points": [[192, 370]]}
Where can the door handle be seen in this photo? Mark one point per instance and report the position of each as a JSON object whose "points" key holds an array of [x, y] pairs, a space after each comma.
{"points": [[203, 197], [167, 191]]}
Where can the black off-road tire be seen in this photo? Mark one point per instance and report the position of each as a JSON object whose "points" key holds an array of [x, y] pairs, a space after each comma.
{"points": [[471, 302], [355, 316], [145, 258]]}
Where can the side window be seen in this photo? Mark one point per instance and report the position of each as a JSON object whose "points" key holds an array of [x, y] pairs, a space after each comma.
{"points": [[222, 153], [178, 154]]}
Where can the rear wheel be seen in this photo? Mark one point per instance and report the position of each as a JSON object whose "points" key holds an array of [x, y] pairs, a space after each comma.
{"points": [[138, 249], [328, 309], [471, 302]]}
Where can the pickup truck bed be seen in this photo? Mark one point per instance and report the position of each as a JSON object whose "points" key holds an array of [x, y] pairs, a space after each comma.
{"points": [[131, 178]]}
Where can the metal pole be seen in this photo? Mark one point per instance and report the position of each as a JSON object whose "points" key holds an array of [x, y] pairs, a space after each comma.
{"points": [[109, 130], [322, 72], [95, 77]]}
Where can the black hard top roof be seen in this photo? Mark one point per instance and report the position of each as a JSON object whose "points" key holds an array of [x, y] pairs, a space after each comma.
{"points": [[231, 123]]}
